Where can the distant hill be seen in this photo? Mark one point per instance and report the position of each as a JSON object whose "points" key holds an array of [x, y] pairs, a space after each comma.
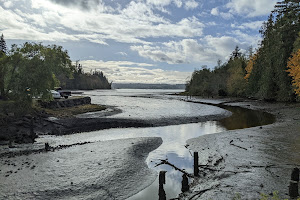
{"points": [[146, 86]]}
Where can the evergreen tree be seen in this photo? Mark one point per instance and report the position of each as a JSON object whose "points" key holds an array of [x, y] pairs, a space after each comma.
{"points": [[269, 79], [3, 47]]}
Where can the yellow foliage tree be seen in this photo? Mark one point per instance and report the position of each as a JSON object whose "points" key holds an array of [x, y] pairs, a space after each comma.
{"points": [[249, 66], [294, 70]]}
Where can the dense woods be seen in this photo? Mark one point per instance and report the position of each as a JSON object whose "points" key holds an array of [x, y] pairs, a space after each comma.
{"points": [[31, 70], [270, 73], [83, 81]]}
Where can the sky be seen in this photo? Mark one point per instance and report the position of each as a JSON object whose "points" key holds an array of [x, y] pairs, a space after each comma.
{"points": [[138, 41]]}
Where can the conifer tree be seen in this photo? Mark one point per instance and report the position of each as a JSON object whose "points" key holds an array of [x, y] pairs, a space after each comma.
{"points": [[3, 47]]}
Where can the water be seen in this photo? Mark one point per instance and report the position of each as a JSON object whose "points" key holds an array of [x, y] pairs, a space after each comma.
{"points": [[148, 104]]}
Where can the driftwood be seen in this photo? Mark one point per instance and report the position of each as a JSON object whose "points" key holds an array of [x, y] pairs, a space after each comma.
{"points": [[210, 168], [231, 143]]}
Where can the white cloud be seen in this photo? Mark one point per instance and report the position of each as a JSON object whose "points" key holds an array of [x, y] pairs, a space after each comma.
{"points": [[206, 50], [251, 8], [178, 3], [211, 24], [184, 51], [131, 72], [133, 24], [8, 4], [247, 39], [214, 11], [226, 15], [255, 25], [122, 53], [191, 4], [15, 26], [159, 2]]}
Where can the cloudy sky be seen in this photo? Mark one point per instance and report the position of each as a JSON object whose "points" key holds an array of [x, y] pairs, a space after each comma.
{"points": [[146, 41]]}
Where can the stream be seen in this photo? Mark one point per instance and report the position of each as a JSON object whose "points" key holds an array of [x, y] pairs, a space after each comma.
{"points": [[156, 104]]}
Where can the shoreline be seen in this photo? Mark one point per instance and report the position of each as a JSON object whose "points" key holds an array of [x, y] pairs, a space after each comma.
{"points": [[20, 131], [254, 161]]}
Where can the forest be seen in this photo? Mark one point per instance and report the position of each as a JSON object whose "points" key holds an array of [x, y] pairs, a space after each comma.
{"points": [[83, 81], [271, 72], [31, 70]]}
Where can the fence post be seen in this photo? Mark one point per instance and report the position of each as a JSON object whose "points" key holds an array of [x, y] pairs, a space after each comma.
{"points": [[293, 188], [47, 146], [196, 165]]}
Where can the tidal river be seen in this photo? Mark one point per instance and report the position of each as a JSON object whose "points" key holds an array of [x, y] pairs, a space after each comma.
{"points": [[96, 170]]}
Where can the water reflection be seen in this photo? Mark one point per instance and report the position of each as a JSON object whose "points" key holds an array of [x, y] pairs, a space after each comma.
{"points": [[245, 118], [182, 158]]}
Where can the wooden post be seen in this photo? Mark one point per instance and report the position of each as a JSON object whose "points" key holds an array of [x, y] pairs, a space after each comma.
{"points": [[184, 183], [196, 165], [295, 175], [10, 145], [47, 146], [162, 177], [162, 181], [32, 133], [293, 188]]}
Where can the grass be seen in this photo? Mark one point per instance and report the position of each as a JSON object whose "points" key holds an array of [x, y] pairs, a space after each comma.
{"points": [[71, 111]]}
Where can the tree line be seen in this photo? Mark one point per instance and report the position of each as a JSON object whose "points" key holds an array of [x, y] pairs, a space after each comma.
{"points": [[272, 72], [84, 81], [32, 70]]}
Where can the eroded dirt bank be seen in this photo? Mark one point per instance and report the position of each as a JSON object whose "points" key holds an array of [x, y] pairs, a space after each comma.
{"points": [[250, 161]]}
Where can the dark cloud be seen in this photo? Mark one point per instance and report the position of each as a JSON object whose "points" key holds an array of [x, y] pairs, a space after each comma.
{"points": [[82, 4]]}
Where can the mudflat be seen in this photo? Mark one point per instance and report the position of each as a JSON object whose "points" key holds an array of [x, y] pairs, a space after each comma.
{"points": [[248, 162]]}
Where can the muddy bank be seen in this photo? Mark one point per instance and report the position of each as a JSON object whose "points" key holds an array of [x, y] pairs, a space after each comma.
{"points": [[117, 170], [28, 128], [75, 125], [253, 161]]}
